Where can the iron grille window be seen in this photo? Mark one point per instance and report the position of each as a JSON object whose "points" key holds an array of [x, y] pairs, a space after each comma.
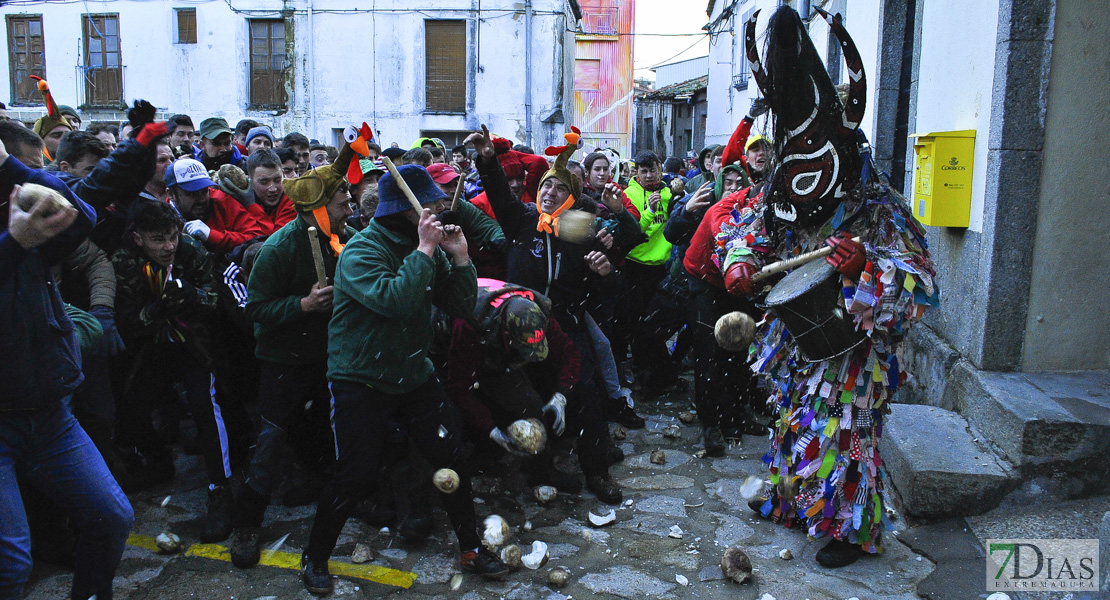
{"points": [[186, 25], [445, 66], [103, 64], [26, 57], [268, 64]]}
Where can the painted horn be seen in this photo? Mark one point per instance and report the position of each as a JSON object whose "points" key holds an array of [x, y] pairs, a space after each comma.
{"points": [[857, 81], [753, 55]]}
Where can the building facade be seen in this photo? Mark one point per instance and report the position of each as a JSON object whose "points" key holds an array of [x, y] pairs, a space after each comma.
{"points": [[670, 120], [313, 66], [603, 94]]}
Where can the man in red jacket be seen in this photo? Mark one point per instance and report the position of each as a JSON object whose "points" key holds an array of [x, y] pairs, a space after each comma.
{"points": [[218, 220], [266, 200]]}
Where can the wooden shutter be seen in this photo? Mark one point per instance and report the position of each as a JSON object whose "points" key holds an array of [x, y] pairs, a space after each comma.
{"points": [[103, 63], [26, 57], [267, 63], [445, 66], [186, 25]]}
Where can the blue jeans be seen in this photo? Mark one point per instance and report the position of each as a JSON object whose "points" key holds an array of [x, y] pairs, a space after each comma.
{"points": [[606, 365], [51, 451]]}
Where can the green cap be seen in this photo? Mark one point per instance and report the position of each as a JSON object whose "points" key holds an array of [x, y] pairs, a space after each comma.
{"points": [[214, 126]]}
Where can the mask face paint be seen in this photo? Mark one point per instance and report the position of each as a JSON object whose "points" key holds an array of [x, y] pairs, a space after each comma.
{"points": [[817, 158]]}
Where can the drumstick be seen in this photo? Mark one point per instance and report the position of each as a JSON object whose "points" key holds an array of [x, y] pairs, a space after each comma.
{"points": [[458, 191], [402, 184], [797, 261], [317, 257]]}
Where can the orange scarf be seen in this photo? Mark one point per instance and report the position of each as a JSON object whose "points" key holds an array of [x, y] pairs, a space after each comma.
{"points": [[323, 223], [549, 223]]}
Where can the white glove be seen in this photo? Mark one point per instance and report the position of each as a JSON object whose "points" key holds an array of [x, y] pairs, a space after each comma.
{"points": [[558, 405], [506, 442], [197, 229]]}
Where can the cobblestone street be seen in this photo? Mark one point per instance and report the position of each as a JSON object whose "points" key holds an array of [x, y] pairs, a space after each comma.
{"points": [[670, 533]]}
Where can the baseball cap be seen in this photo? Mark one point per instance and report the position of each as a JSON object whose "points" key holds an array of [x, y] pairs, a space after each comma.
{"points": [[525, 326], [755, 139], [367, 165], [189, 174], [214, 126], [442, 173]]}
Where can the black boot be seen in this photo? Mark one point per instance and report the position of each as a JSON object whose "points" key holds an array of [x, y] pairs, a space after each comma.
{"points": [[245, 546], [217, 524], [714, 441], [605, 489], [331, 514], [314, 573]]}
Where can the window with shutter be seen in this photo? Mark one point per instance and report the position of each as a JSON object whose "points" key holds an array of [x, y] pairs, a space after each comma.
{"points": [[186, 25], [268, 63], [444, 66], [103, 64], [26, 57]]}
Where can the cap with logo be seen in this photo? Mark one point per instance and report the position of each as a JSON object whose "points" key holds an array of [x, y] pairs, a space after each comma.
{"points": [[442, 173], [525, 328], [188, 174], [214, 126]]}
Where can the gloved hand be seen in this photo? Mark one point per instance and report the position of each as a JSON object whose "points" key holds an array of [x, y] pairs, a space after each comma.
{"points": [[558, 405], [158, 310], [181, 294], [506, 442], [738, 279], [848, 257], [111, 343], [758, 107], [151, 133], [141, 113], [198, 229]]}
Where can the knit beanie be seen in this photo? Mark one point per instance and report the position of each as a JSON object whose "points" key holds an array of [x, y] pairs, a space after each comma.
{"points": [[509, 158], [559, 170], [391, 200], [316, 187]]}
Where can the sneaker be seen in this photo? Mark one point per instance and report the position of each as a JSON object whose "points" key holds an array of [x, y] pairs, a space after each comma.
{"points": [[217, 524], [838, 553], [564, 482], [621, 412], [315, 575], [714, 441], [483, 562], [245, 546], [606, 490]]}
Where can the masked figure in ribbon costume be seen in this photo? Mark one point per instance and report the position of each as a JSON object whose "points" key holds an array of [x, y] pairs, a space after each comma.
{"points": [[830, 347]]}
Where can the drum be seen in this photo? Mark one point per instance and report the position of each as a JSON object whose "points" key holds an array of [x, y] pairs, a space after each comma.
{"points": [[808, 302]]}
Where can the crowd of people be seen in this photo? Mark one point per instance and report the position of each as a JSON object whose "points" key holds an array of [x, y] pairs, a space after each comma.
{"points": [[333, 308]]}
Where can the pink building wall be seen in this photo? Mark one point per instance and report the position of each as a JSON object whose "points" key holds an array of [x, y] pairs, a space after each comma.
{"points": [[603, 75]]}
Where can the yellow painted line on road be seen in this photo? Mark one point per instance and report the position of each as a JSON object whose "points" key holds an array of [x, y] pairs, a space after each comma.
{"points": [[290, 560]]}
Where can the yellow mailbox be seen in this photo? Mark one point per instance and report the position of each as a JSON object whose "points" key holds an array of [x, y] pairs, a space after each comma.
{"points": [[942, 188]]}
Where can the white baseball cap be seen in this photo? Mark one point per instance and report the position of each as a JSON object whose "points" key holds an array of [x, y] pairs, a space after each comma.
{"points": [[189, 174]]}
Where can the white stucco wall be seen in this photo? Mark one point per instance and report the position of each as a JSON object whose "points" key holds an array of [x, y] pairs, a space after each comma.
{"points": [[956, 80], [727, 108], [366, 65]]}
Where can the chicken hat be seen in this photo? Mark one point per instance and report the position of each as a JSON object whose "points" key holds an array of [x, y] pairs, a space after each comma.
{"points": [[316, 187], [53, 117], [549, 223]]}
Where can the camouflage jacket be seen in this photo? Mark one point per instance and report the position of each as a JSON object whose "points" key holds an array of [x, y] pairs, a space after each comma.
{"points": [[134, 292]]}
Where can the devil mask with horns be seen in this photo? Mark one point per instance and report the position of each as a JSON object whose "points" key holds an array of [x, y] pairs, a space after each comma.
{"points": [[817, 154]]}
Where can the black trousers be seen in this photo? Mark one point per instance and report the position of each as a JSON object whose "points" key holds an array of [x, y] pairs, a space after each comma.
{"points": [[360, 419], [722, 380], [640, 282], [666, 313], [284, 391]]}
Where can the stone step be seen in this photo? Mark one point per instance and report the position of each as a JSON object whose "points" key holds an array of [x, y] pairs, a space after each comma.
{"points": [[1052, 424], [937, 466]]}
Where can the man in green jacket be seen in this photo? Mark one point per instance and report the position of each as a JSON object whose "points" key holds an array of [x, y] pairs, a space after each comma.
{"points": [[387, 279], [646, 264], [290, 310]]}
